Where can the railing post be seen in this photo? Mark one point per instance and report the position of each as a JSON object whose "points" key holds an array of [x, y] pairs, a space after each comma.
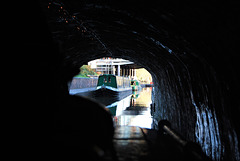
{"points": [[191, 151], [161, 125]]}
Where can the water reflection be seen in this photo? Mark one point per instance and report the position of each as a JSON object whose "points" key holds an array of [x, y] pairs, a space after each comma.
{"points": [[133, 110]]}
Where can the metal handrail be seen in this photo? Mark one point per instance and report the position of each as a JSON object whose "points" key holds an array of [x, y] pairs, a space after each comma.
{"points": [[174, 135], [192, 149]]}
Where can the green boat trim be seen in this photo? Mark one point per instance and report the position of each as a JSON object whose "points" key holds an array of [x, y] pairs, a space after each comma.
{"points": [[135, 84], [113, 83]]}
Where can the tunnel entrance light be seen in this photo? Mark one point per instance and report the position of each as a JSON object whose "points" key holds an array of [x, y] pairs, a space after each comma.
{"points": [[88, 76]]}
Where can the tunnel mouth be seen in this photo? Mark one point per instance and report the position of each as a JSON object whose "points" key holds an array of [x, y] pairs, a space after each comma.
{"points": [[131, 105], [110, 65]]}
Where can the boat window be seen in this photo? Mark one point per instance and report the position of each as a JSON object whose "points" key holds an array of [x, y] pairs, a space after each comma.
{"points": [[105, 79], [109, 79]]}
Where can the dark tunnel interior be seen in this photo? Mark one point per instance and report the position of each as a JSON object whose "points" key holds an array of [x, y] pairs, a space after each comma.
{"points": [[190, 48]]}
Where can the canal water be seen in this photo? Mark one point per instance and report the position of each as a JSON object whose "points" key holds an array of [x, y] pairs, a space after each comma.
{"points": [[133, 110]]}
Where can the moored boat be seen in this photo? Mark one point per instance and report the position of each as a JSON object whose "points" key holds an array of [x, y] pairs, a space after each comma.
{"points": [[135, 84], [112, 85]]}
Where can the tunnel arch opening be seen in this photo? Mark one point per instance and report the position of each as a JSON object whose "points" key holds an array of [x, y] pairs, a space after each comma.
{"points": [[78, 64], [131, 107]]}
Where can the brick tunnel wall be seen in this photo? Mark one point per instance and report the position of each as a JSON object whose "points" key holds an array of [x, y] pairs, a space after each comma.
{"points": [[83, 83], [191, 54]]}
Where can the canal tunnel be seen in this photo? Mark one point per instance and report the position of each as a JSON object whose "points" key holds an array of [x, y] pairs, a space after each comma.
{"points": [[189, 48]]}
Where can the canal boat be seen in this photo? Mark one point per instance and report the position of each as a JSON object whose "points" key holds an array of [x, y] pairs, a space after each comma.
{"points": [[112, 85], [135, 84]]}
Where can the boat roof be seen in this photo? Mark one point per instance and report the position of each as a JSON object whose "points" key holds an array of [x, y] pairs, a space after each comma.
{"points": [[107, 75]]}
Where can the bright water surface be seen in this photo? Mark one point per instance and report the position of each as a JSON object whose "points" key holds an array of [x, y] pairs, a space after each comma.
{"points": [[133, 110]]}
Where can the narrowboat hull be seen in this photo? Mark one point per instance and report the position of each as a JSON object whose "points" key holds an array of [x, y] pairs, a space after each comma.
{"points": [[111, 92], [113, 86]]}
